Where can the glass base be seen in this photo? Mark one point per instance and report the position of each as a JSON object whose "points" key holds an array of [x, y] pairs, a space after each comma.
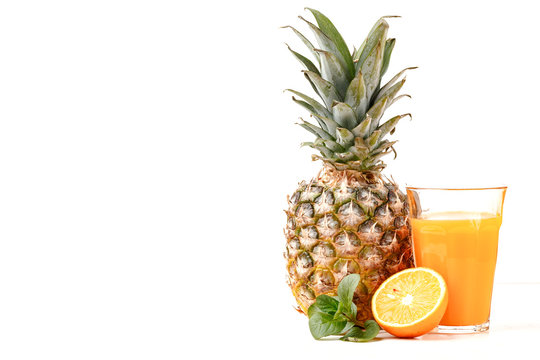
{"points": [[468, 329]]}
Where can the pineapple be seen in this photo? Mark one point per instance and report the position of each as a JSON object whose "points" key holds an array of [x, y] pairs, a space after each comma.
{"points": [[349, 218]]}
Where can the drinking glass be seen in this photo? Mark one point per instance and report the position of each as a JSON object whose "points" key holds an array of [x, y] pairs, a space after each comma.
{"points": [[455, 232]]}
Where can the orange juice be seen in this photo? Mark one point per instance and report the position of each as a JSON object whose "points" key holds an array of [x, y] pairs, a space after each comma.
{"points": [[462, 247]]}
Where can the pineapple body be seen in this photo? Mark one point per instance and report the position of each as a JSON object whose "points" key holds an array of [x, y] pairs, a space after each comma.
{"points": [[341, 223]]}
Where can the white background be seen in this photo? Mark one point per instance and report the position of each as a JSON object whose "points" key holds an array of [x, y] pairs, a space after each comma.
{"points": [[146, 149]]}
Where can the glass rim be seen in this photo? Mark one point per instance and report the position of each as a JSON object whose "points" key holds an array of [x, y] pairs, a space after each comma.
{"points": [[502, 187]]}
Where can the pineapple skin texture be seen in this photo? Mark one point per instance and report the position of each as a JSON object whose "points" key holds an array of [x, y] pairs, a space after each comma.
{"points": [[341, 223]]}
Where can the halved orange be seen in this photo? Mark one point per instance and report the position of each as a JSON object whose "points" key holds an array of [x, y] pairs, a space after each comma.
{"points": [[411, 302]]}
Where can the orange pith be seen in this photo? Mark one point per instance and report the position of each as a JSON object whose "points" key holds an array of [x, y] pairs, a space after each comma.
{"points": [[411, 302]]}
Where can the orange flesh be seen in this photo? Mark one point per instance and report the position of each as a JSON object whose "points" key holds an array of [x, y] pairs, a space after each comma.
{"points": [[408, 298], [462, 247]]}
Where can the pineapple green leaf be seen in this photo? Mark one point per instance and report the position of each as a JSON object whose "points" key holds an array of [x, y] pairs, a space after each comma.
{"points": [[356, 54], [344, 137], [346, 157], [326, 44], [330, 30], [399, 97], [362, 130], [344, 115], [332, 145], [390, 92], [318, 109], [384, 145], [376, 112], [322, 39], [325, 89], [384, 148], [315, 130], [306, 42], [373, 139], [304, 60], [390, 124], [333, 71], [357, 334], [313, 86], [374, 157], [330, 124], [371, 69], [304, 104], [356, 95], [358, 152], [307, 143], [327, 153], [393, 81], [360, 144], [317, 145], [376, 35], [388, 47]]}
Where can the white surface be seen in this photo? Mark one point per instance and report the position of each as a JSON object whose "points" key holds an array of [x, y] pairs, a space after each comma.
{"points": [[515, 328], [146, 149]]}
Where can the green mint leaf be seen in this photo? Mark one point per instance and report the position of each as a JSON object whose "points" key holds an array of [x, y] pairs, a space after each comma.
{"points": [[339, 316], [322, 325], [324, 304], [343, 314], [351, 311], [357, 334], [339, 310], [313, 309], [346, 314], [347, 327], [346, 289], [327, 304]]}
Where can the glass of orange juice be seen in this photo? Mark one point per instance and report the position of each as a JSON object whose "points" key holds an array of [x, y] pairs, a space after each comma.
{"points": [[456, 232]]}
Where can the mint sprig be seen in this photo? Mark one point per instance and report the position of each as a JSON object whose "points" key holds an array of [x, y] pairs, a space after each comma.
{"points": [[337, 315], [357, 334]]}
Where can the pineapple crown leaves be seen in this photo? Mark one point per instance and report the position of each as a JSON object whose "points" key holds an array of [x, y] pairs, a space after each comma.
{"points": [[349, 132]]}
